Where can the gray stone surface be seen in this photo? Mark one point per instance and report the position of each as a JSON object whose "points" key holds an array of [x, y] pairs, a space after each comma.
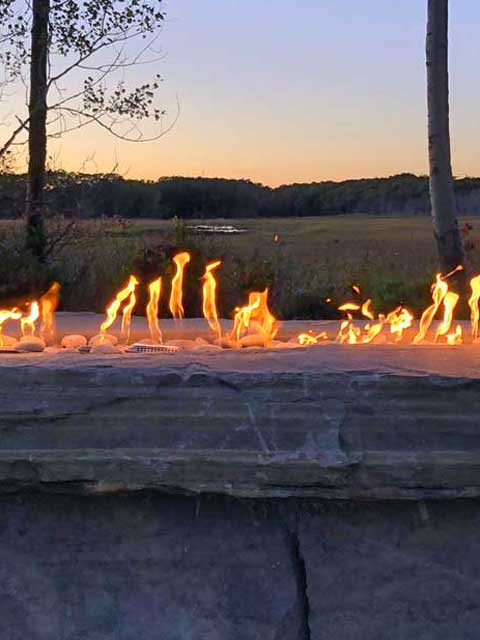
{"points": [[314, 423], [398, 571], [144, 568], [151, 567]]}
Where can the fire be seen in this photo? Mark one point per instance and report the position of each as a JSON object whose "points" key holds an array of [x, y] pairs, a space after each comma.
{"points": [[373, 330], [155, 290], [456, 337], [439, 291], [27, 323], [48, 306], [114, 307], [366, 311], [449, 302], [176, 295], [7, 314], [348, 333], [399, 320], [210, 297], [307, 339], [127, 312], [349, 306], [256, 317], [473, 304]]}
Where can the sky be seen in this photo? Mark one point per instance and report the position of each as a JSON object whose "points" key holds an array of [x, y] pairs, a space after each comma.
{"points": [[296, 91]]}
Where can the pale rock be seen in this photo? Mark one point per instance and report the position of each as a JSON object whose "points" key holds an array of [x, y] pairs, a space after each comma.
{"points": [[252, 340], [207, 347], [30, 344], [182, 343], [7, 341], [74, 341], [224, 342], [287, 345], [104, 348], [108, 338]]}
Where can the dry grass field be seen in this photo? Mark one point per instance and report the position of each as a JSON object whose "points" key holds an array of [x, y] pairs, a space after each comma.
{"points": [[404, 243], [303, 260]]}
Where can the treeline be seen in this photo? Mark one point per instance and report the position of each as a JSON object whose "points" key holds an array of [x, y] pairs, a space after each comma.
{"points": [[95, 195]]}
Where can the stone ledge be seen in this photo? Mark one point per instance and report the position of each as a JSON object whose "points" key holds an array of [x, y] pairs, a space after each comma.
{"points": [[313, 423]]}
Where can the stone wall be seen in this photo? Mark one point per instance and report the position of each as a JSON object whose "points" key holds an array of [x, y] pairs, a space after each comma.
{"points": [[152, 567]]}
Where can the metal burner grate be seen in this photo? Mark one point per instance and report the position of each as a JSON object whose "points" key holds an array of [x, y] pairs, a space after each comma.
{"points": [[138, 347]]}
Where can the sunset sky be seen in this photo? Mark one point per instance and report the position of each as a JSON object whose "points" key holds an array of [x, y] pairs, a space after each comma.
{"points": [[280, 91]]}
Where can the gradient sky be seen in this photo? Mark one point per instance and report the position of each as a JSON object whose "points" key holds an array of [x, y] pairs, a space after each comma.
{"points": [[281, 91]]}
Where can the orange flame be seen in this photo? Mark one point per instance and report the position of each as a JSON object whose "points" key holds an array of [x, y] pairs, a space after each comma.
{"points": [[348, 333], [473, 304], [349, 306], [48, 306], [308, 339], [439, 291], [373, 330], [254, 316], [176, 295], [449, 302], [7, 314], [366, 311], [399, 320], [27, 323], [456, 337], [127, 314], [210, 297], [154, 289], [113, 308]]}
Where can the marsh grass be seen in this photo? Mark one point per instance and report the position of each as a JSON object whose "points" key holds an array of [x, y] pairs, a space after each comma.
{"points": [[309, 264]]}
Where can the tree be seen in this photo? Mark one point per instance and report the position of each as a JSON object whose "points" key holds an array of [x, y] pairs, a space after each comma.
{"points": [[444, 214], [96, 41]]}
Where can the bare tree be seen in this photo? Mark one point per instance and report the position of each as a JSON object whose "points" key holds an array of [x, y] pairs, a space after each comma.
{"points": [[93, 44], [37, 139], [444, 212]]}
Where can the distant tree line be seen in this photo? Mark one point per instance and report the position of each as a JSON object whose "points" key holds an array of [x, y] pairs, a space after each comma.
{"points": [[94, 195]]}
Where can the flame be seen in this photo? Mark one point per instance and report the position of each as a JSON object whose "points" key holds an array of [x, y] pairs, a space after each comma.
{"points": [[254, 316], [308, 339], [176, 295], [456, 337], [439, 291], [366, 311], [210, 297], [348, 332], [399, 320], [351, 334], [48, 306], [114, 307], [155, 290], [473, 304], [349, 306], [449, 302], [127, 313], [373, 330], [27, 323], [8, 314]]}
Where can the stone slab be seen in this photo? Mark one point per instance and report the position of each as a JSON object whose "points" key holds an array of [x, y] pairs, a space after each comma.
{"points": [[147, 566], [347, 422]]}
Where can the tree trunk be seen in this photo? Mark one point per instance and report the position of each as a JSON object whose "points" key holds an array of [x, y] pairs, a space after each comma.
{"points": [[37, 139], [442, 196]]}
